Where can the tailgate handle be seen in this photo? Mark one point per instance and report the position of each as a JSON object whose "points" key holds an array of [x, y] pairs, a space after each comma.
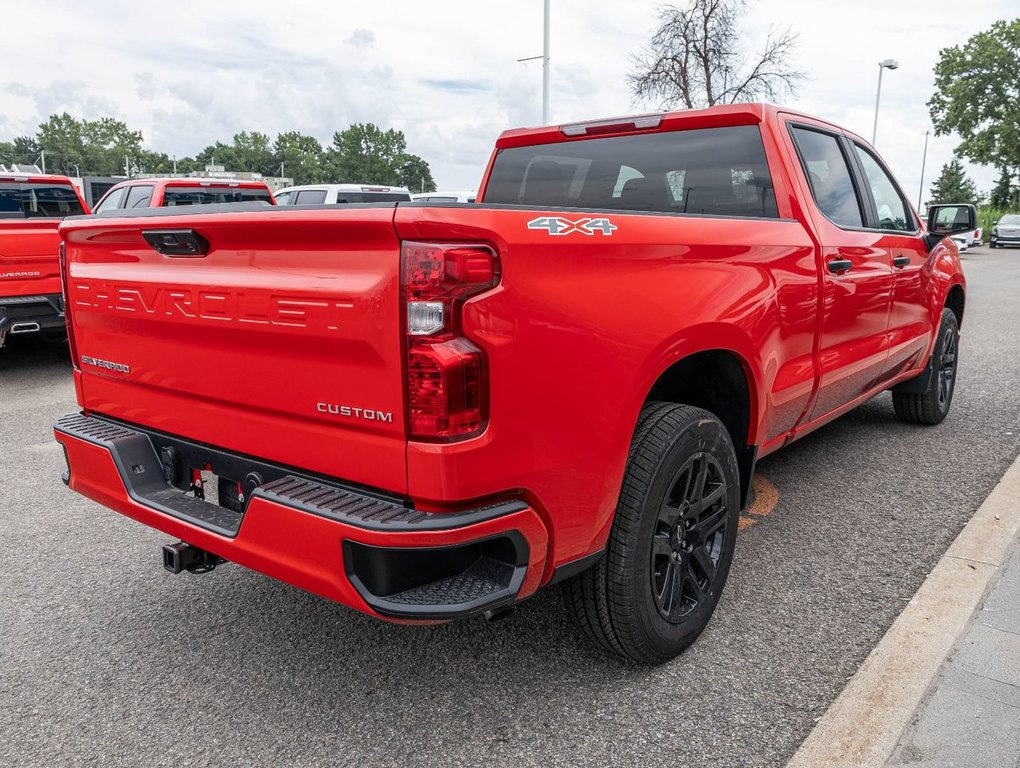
{"points": [[177, 242]]}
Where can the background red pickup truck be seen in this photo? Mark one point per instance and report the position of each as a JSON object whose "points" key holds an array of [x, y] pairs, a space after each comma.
{"points": [[431, 411], [31, 207], [165, 193]]}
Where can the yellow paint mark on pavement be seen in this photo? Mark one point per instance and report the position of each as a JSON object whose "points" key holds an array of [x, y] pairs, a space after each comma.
{"points": [[766, 496]]}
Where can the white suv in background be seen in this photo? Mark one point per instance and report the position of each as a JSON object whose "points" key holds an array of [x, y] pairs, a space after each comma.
{"points": [[444, 197], [340, 194]]}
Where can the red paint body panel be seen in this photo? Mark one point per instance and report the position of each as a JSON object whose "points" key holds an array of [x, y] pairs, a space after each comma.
{"points": [[295, 308], [28, 247]]}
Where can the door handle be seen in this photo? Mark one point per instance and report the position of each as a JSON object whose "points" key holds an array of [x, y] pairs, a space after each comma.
{"points": [[837, 266], [901, 261]]}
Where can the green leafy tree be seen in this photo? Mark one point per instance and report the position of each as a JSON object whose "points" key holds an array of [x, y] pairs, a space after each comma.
{"points": [[953, 186], [24, 150], [364, 153], [253, 153], [217, 154], [1004, 194], [300, 157], [416, 175], [977, 95], [102, 147]]}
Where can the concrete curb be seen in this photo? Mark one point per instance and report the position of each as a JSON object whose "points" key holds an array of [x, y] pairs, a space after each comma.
{"points": [[864, 724]]}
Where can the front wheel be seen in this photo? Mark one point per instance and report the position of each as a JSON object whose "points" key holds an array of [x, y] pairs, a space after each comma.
{"points": [[932, 406], [672, 540]]}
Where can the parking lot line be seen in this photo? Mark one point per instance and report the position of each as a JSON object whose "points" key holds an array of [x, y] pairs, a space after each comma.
{"points": [[864, 724]]}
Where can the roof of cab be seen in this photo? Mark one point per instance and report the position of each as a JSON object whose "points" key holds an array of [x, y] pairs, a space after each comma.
{"points": [[196, 181], [710, 117], [34, 178]]}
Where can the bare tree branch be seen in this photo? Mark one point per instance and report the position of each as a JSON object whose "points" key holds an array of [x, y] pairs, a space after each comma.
{"points": [[694, 59]]}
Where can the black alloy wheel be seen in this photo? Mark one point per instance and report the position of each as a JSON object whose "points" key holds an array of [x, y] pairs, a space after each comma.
{"points": [[688, 541]]}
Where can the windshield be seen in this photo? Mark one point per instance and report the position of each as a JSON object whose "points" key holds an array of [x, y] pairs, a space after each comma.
{"points": [[716, 171], [210, 195], [38, 201], [1010, 220]]}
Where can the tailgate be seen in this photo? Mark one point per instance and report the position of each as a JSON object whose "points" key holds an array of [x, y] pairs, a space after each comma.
{"points": [[28, 257], [281, 343]]}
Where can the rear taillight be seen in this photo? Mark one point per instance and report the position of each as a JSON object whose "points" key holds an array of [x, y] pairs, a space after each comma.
{"points": [[447, 376], [65, 300]]}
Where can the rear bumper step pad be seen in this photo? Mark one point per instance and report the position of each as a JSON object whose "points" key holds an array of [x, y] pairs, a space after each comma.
{"points": [[387, 558]]}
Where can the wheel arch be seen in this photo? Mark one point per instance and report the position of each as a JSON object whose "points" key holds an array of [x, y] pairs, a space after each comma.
{"points": [[721, 381]]}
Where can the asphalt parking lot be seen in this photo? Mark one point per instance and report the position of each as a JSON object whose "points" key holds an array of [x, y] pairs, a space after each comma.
{"points": [[106, 659]]}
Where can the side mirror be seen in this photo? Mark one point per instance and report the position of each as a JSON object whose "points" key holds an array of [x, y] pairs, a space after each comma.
{"points": [[946, 220]]}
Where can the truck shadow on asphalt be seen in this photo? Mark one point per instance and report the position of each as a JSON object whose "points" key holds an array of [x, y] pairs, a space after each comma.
{"points": [[32, 356]]}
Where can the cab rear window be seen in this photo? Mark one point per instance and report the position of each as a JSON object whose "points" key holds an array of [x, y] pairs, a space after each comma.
{"points": [[714, 171], [22, 200], [209, 195], [372, 197]]}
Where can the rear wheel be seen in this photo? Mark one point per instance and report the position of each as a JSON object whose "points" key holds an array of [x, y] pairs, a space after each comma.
{"points": [[931, 407], [672, 540]]}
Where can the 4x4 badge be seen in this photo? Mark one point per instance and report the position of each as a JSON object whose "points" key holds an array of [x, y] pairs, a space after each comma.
{"points": [[557, 225]]}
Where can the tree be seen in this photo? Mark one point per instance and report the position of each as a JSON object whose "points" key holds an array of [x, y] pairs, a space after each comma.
{"points": [[977, 95], [367, 154], [953, 186], [100, 147], [694, 59], [1004, 194], [416, 175], [252, 153], [23, 150], [301, 157]]}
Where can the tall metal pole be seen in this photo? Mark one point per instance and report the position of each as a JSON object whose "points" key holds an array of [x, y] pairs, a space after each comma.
{"points": [[924, 159], [545, 66], [878, 95]]}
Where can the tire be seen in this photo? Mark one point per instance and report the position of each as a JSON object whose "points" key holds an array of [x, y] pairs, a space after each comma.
{"points": [[931, 407], [672, 540], [993, 245]]}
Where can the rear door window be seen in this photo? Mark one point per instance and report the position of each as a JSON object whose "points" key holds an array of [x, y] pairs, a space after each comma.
{"points": [[707, 171], [310, 197], [138, 196], [828, 175], [112, 201]]}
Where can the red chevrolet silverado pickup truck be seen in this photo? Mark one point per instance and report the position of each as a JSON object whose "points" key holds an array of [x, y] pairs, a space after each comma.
{"points": [[169, 193], [31, 207], [427, 412]]}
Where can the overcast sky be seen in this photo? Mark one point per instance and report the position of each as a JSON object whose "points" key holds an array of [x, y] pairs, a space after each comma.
{"points": [[443, 71]]}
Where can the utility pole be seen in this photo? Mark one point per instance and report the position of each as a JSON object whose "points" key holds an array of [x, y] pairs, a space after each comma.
{"points": [[924, 159], [175, 165], [127, 166], [545, 62], [42, 155]]}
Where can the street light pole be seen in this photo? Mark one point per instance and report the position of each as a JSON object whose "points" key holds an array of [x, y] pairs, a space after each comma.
{"points": [[924, 159], [887, 64], [545, 65]]}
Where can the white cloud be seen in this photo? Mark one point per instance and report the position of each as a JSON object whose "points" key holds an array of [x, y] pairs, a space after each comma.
{"points": [[192, 72]]}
